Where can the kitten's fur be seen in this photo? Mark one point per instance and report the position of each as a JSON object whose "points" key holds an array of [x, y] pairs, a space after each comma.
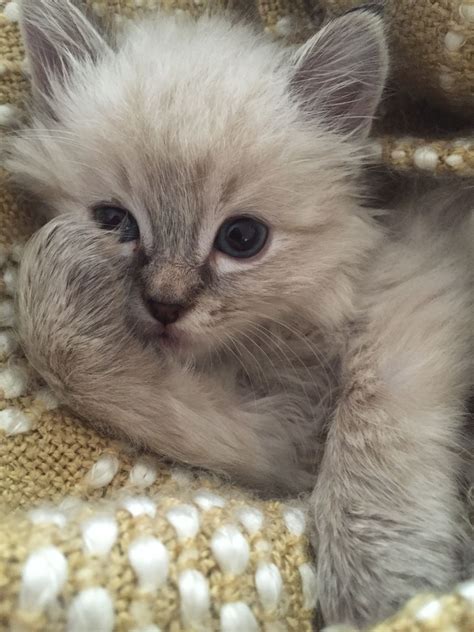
{"points": [[343, 332]]}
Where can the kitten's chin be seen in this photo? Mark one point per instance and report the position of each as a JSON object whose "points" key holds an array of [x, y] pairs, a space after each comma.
{"points": [[167, 339], [182, 343], [172, 340]]}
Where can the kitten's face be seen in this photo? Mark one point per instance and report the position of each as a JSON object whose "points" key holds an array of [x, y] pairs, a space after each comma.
{"points": [[235, 207]]}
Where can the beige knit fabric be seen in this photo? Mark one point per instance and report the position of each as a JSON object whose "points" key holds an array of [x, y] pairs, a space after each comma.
{"points": [[432, 44], [96, 538]]}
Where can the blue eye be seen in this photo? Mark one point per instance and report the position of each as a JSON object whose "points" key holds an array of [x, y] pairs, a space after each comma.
{"points": [[241, 237], [118, 219]]}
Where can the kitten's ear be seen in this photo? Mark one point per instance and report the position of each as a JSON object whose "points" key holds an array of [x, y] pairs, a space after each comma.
{"points": [[56, 34], [341, 71]]}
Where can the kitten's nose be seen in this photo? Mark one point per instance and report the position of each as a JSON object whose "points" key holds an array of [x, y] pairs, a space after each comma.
{"points": [[165, 313]]}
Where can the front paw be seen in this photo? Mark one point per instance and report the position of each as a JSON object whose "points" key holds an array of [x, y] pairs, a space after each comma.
{"points": [[70, 300], [370, 564]]}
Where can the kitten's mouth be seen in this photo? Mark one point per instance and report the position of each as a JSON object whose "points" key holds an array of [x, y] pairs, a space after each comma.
{"points": [[152, 331], [170, 339]]}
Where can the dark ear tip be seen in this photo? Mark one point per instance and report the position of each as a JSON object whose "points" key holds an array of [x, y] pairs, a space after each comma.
{"points": [[376, 8]]}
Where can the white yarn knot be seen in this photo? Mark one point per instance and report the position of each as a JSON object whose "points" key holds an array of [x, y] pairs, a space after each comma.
{"points": [[91, 609], [150, 561], [139, 506], [309, 584], [230, 549], [295, 521], [99, 534], [208, 500], [143, 474], [251, 518], [269, 585], [185, 520], [12, 11], [103, 471], [14, 421], [13, 381], [195, 602], [43, 577], [237, 617]]}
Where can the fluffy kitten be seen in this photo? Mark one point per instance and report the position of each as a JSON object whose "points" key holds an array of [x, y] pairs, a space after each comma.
{"points": [[213, 289]]}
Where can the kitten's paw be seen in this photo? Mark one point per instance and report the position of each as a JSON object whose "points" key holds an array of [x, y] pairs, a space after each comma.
{"points": [[370, 565], [71, 295]]}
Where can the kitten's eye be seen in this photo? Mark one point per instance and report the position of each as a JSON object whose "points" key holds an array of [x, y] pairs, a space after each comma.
{"points": [[116, 218], [241, 237]]}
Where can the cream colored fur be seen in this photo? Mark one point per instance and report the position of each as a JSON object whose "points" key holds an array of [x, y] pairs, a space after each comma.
{"points": [[340, 357]]}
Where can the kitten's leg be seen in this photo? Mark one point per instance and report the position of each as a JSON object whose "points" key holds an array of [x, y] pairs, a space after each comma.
{"points": [[388, 519]]}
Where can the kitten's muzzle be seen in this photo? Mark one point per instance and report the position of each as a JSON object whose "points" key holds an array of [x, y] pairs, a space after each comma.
{"points": [[165, 313]]}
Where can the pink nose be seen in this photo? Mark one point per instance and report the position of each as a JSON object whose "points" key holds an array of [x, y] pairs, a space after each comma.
{"points": [[165, 313]]}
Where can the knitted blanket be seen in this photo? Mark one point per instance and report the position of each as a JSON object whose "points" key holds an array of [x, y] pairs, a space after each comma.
{"points": [[95, 537]]}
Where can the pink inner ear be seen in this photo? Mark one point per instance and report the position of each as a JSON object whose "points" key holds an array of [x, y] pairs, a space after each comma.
{"points": [[341, 72]]}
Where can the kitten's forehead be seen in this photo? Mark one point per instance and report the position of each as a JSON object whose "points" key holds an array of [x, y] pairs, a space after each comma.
{"points": [[161, 162], [168, 109], [185, 131], [176, 200]]}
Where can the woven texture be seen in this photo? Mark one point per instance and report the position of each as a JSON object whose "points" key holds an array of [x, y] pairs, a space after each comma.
{"points": [[432, 46], [95, 538]]}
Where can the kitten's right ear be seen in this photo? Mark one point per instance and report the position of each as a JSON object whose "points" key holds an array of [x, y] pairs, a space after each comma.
{"points": [[340, 73], [57, 35]]}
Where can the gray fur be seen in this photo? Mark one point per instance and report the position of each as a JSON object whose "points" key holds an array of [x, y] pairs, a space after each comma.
{"points": [[347, 336]]}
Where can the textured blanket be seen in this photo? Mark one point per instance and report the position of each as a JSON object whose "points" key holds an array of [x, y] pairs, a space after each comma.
{"points": [[94, 537]]}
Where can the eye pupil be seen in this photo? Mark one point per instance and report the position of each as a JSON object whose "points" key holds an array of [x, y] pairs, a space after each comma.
{"points": [[118, 219], [114, 218], [241, 237]]}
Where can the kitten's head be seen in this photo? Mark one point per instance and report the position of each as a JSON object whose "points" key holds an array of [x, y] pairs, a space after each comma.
{"points": [[224, 165]]}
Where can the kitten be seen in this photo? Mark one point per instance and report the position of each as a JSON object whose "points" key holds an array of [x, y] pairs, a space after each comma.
{"points": [[213, 288]]}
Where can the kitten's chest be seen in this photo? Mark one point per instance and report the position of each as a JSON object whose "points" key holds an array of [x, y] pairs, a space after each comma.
{"points": [[298, 363]]}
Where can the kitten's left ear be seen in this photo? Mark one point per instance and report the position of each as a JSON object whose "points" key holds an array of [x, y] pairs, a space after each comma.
{"points": [[340, 72], [56, 34]]}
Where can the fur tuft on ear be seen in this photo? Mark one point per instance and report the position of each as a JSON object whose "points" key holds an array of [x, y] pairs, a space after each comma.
{"points": [[56, 35], [340, 72]]}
